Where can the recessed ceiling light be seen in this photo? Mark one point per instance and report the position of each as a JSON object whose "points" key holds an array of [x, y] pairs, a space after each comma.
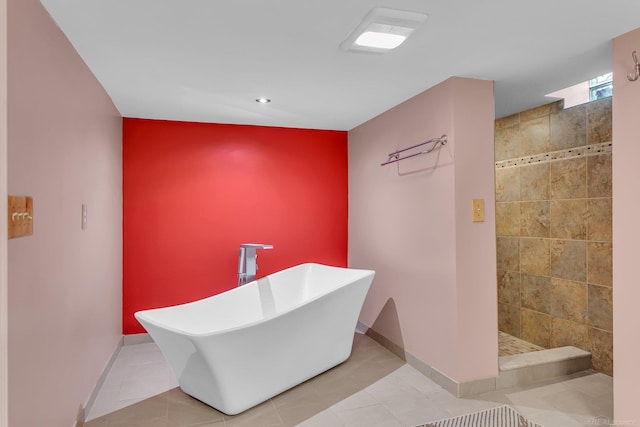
{"points": [[263, 100], [382, 30], [380, 40]]}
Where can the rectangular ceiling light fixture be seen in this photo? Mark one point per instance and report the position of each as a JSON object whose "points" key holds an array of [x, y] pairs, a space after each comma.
{"points": [[382, 30]]}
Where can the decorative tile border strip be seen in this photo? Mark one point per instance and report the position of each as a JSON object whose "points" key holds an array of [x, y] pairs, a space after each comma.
{"points": [[587, 150]]}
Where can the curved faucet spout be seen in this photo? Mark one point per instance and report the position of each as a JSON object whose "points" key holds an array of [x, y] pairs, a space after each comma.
{"points": [[247, 266]]}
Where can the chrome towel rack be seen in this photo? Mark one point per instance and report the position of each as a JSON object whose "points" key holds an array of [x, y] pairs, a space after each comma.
{"points": [[395, 156]]}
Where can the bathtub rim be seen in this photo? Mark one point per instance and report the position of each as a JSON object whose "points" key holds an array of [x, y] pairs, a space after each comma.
{"points": [[366, 273]]}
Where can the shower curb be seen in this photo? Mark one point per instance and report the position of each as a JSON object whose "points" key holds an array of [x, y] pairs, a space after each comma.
{"points": [[529, 368]]}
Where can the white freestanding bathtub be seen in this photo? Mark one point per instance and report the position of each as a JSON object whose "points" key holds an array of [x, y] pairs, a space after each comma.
{"points": [[244, 346]]}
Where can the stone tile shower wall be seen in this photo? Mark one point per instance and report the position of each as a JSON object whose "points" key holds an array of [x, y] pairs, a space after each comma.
{"points": [[553, 226]]}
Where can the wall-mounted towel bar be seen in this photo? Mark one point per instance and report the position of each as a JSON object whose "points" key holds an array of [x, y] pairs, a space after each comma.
{"points": [[395, 156]]}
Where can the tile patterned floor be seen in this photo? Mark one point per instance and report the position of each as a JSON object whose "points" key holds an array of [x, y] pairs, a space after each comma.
{"points": [[373, 388], [509, 345]]}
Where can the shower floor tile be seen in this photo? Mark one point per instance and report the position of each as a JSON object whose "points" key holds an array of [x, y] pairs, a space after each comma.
{"points": [[372, 388], [509, 345]]}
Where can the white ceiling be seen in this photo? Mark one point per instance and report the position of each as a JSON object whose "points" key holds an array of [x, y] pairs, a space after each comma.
{"points": [[208, 60]]}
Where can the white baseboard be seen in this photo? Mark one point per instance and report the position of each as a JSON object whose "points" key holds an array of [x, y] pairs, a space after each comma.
{"points": [[135, 339], [458, 389], [94, 394], [125, 340], [463, 389], [361, 328]]}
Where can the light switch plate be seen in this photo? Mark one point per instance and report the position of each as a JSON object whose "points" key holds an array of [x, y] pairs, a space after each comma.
{"points": [[84, 216], [20, 218], [477, 210]]}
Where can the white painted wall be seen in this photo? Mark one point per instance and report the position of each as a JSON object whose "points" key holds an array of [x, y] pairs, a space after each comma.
{"points": [[64, 149], [435, 288], [626, 231]]}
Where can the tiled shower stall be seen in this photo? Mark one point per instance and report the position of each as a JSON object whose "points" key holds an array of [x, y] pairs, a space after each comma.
{"points": [[553, 226]]}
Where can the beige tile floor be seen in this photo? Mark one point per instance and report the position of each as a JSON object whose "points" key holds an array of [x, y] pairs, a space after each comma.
{"points": [[372, 388]]}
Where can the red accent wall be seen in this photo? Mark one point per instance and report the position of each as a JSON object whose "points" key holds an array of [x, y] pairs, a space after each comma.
{"points": [[193, 192]]}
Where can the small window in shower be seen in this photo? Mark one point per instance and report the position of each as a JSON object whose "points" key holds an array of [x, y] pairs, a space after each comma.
{"points": [[601, 87], [581, 93]]}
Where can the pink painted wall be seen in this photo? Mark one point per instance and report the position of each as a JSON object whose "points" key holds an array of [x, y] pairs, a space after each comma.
{"points": [[626, 230], [64, 149], [435, 288], [4, 307], [473, 144]]}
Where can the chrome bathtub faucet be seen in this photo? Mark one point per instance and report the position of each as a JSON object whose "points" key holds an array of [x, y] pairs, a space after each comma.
{"points": [[247, 265]]}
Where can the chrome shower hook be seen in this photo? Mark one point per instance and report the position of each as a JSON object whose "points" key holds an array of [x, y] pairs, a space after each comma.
{"points": [[631, 76]]}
